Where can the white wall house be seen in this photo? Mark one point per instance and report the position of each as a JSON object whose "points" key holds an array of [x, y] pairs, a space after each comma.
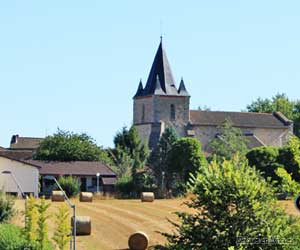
{"points": [[26, 174]]}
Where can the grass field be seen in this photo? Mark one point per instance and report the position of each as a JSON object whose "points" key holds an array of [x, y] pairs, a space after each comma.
{"points": [[114, 220]]}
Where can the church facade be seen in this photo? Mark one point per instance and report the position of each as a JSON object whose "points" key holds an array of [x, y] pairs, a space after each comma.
{"points": [[160, 104]]}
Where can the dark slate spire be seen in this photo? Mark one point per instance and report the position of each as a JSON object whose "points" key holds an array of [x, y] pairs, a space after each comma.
{"points": [[140, 89], [182, 89], [158, 90], [161, 68]]}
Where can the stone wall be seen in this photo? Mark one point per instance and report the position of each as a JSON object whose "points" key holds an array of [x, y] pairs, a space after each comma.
{"points": [[268, 136]]}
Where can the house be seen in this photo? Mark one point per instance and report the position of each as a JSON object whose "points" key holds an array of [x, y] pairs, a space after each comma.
{"points": [[24, 143], [85, 171], [160, 104], [14, 172]]}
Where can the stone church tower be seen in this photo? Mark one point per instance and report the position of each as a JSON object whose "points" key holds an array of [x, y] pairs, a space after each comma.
{"points": [[160, 104]]}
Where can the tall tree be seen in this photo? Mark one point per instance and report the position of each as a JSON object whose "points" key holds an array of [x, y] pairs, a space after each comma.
{"points": [[158, 159], [280, 103], [185, 158], [228, 142], [68, 146]]}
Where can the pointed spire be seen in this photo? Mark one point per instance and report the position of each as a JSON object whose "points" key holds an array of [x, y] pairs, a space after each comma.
{"points": [[158, 90], [182, 89], [161, 68], [140, 89]]}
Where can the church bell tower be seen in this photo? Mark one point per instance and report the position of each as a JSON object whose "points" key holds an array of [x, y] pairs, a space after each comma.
{"points": [[160, 104]]}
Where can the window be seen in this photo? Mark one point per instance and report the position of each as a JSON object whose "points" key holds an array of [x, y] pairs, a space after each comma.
{"points": [[143, 113], [173, 115]]}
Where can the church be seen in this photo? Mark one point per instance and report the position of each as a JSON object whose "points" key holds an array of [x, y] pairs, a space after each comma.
{"points": [[160, 104]]}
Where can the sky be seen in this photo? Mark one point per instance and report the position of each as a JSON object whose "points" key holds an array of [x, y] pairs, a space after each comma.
{"points": [[75, 65]]}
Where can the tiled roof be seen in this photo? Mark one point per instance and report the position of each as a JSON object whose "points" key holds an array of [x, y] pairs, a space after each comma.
{"points": [[17, 154], [18, 142], [2, 148], [239, 119], [73, 168]]}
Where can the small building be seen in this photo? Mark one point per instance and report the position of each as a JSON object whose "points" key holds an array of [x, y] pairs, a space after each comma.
{"points": [[13, 171], [85, 171], [24, 143]]}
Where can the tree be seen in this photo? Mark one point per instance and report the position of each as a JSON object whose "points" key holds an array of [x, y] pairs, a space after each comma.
{"points": [[68, 146], [280, 103], [42, 230], [228, 142], [7, 210], [265, 159], [31, 218], [63, 228], [158, 159], [129, 142], [185, 158], [70, 185], [233, 208]]}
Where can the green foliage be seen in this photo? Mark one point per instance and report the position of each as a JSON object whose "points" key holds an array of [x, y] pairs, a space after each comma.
{"points": [[159, 157], [42, 230], [265, 159], [229, 142], [232, 202], [70, 185], [122, 162], [125, 187], [6, 207], [31, 218], [185, 158], [281, 103], [288, 185], [11, 237], [63, 228], [68, 146], [130, 141]]}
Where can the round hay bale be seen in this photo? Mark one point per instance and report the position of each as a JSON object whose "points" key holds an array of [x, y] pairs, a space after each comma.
{"points": [[147, 197], [138, 241], [57, 196], [83, 225], [86, 197]]}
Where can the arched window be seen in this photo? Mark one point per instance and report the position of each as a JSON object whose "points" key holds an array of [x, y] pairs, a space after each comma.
{"points": [[143, 113], [172, 113]]}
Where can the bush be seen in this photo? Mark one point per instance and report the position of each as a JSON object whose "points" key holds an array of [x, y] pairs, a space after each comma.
{"points": [[125, 187], [70, 185], [233, 206], [11, 237], [6, 207], [287, 158], [287, 185], [265, 159]]}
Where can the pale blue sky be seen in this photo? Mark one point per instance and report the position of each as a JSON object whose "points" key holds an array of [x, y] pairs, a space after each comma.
{"points": [[77, 64]]}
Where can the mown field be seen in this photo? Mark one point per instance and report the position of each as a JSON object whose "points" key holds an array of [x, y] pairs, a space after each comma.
{"points": [[114, 220]]}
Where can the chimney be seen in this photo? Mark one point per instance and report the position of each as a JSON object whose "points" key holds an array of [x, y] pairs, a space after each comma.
{"points": [[14, 139]]}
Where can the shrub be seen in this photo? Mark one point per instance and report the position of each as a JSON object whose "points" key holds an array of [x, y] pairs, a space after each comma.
{"points": [[11, 237], [125, 187], [6, 207], [70, 185], [287, 158], [63, 228], [288, 185], [233, 205]]}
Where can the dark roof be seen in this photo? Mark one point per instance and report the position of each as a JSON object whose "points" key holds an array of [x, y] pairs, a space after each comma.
{"points": [[73, 168], [30, 143], [182, 89], [160, 69], [2, 148], [17, 154], [239, 119]]}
